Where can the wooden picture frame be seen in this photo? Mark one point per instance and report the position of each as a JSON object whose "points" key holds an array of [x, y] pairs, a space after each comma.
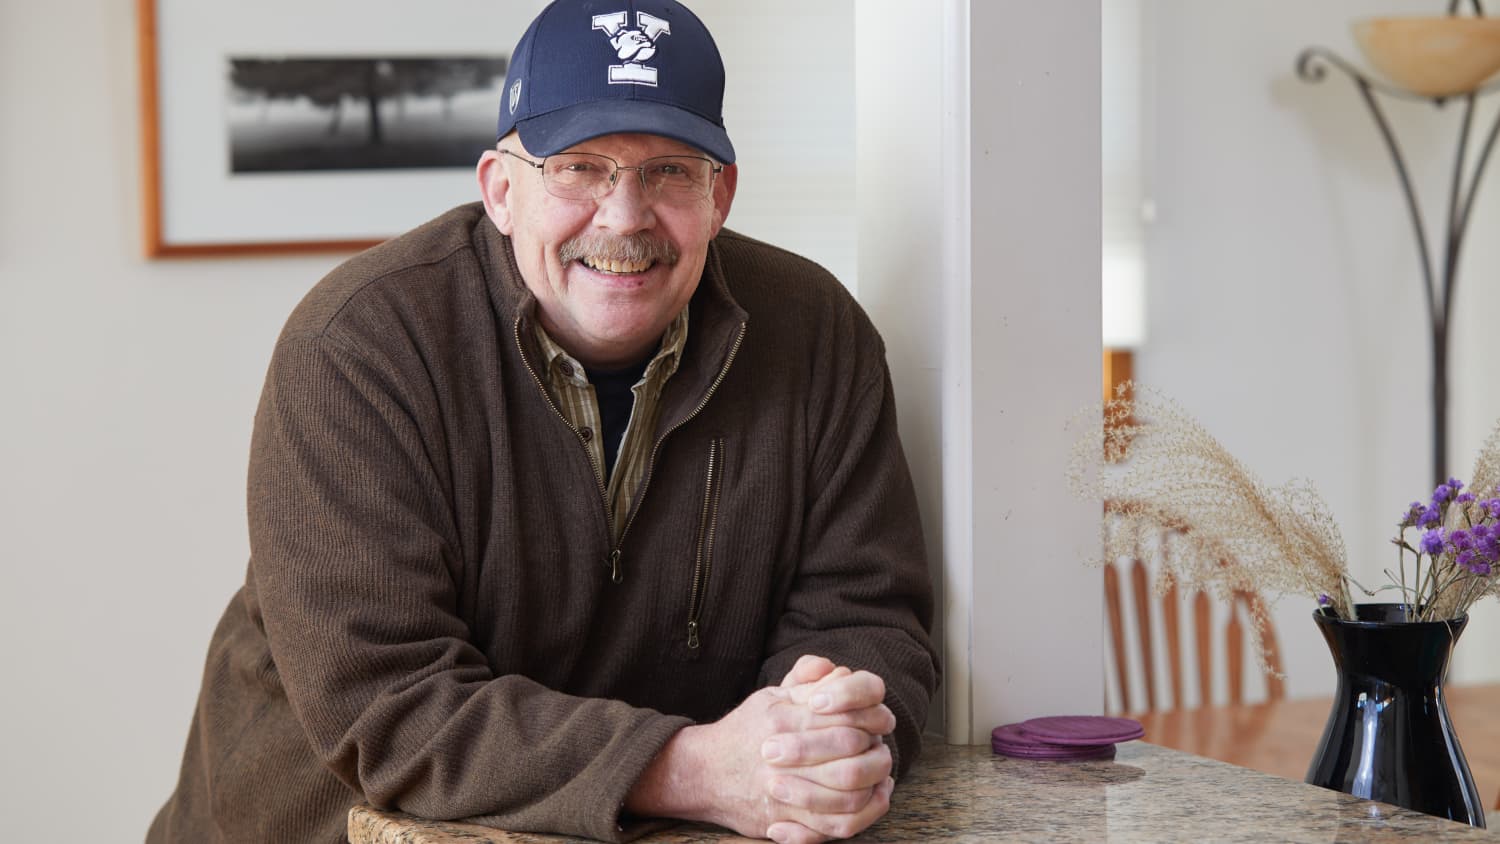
{"points": [[197, 201]]}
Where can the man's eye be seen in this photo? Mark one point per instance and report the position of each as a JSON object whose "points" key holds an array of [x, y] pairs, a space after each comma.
{"points": [[671, 169], [579, 167]]}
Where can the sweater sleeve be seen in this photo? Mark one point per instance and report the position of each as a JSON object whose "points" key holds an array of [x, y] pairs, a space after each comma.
{"points": [[861, 594], [356, 573]]}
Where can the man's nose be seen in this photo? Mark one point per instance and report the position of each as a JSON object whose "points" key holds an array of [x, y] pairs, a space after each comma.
{"points": [[628, 207]]}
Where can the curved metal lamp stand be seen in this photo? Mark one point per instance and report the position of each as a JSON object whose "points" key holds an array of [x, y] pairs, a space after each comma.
{"points": [[1312, 66]]}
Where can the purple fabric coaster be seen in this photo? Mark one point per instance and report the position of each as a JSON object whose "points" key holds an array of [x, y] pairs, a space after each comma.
{"points": [[1082, 729], [1057, 754], [1009, 740]]}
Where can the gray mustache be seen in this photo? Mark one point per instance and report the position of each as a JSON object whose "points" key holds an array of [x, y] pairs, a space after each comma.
{"points": [[630, 247]]}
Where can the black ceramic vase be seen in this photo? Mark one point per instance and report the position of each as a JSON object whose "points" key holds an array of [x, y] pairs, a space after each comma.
{"points": [[1389, 737]]}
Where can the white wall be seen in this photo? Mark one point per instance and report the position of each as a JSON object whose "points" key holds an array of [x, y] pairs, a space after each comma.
{"points": [[978, 185], [901, 158], [1284, 301], [129, 385], [1034, 257], [790, 112], [128, 391]]}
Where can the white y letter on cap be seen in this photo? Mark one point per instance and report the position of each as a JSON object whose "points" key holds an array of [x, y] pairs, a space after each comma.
{"points": [[633, 46]]}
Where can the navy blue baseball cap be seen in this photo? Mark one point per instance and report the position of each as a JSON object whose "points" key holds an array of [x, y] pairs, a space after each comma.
{"points": [[587, 68]]}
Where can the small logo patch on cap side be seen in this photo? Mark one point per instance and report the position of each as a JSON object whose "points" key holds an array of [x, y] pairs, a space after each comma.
{"points": [[633, 46], [515, 95]]}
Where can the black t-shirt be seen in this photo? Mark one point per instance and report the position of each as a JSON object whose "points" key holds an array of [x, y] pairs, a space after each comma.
{"points": [[612, 388]]}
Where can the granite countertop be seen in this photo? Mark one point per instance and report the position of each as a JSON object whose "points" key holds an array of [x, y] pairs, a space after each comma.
{"points": [[968, 794]]}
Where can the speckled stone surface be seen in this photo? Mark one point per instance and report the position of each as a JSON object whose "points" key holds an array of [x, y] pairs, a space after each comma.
{"points": [[968, 794]]}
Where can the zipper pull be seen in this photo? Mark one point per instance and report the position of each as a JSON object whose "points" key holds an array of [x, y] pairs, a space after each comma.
{"points": [[693, 635], [615, 574]]}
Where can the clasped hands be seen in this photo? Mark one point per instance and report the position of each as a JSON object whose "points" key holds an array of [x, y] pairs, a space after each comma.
{"points": [[799, 763]]}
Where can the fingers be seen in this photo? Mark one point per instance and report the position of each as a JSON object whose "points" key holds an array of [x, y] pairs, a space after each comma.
{"points": [[809, 669], [876, 720], [839, 786], [791, 832], [841, 692], [788, 717], [830, 770], [799, 793], [797, 776], [814, 827], [813, 747]]}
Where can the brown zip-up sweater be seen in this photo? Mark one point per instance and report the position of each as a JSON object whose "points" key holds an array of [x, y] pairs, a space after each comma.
{"points": [[430, 622]]}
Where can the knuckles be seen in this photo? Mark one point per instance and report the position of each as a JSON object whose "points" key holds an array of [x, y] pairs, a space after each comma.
{"points": [[793, 748], [850, 802], [849, 777], [877, 685], [843, 826], [849, 741]]}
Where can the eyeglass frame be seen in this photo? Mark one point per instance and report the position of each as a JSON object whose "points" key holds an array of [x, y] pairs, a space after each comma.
{"points": [[715, 168]]}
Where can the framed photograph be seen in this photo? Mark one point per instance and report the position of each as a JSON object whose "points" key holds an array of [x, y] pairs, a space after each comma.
{"points": [[317, 125]]}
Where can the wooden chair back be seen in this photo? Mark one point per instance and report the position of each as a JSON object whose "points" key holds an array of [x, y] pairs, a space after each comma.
{"points": [[1118, 370], [1245, 608]]}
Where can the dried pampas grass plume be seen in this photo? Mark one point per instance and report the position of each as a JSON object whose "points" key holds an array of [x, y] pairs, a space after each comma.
{"points": [[1486, 479], [1487, 465], [1158, 472]]}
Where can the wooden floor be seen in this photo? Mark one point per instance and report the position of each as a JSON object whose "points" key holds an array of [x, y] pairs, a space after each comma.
{"points": [[1280, 738]]}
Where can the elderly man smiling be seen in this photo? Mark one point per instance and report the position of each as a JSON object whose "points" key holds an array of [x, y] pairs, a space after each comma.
{"points": [[571, 510]]}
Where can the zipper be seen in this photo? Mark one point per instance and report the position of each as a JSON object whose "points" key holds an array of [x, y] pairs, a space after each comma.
{"points": [[614, 558], [708, 523], [656, 449]]}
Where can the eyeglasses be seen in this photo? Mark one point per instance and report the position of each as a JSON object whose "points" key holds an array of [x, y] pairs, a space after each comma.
{"points": [[674, 179]]}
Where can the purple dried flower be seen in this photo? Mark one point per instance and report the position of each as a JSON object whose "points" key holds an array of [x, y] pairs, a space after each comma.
{"points": [[1444, 493], [1412, 515], [1460, 539], [1465, 559], [1487, 545], [1492, 506], [1324, 600], [1480, 567], [1465, 498], [1432, 542], [1432, 516]]}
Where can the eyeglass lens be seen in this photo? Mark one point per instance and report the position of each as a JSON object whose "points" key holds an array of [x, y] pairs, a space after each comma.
{"points": [[582, 175]]}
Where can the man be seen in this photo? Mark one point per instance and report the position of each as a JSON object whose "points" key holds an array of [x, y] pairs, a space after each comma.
{"points": [[543, 491]]}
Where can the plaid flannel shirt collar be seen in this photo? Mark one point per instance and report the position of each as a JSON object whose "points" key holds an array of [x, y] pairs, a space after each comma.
{"points": [[564, 369]]}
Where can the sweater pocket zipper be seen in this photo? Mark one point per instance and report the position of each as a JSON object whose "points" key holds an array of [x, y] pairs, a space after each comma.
{"points": [[703, 560]]}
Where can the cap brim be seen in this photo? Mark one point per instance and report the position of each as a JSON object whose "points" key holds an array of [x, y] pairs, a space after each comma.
{"points": [[555, 131]]}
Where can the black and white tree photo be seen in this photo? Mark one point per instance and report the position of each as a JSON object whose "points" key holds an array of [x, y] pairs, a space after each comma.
{"points": [[308, 114]]}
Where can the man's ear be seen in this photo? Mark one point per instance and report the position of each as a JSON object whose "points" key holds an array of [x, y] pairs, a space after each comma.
{"points": [[724, 195], [494, 189]]}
